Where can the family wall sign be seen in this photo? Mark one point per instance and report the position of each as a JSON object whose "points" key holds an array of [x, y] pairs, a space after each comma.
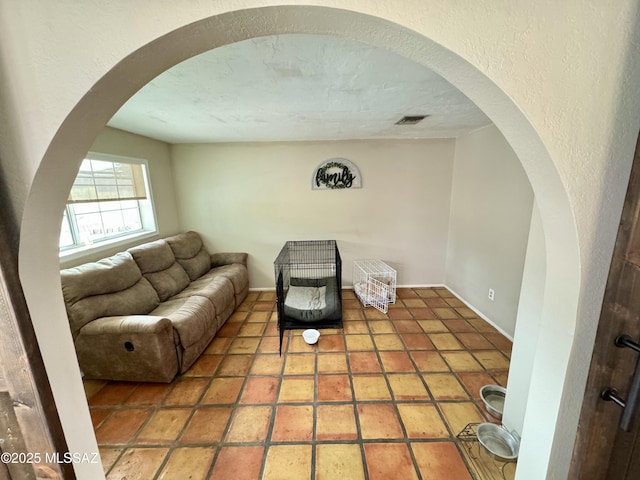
{"points": [[336, 173]]}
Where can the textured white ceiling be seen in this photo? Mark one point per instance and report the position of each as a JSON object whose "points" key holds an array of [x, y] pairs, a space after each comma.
{"points": [[296, 87]]}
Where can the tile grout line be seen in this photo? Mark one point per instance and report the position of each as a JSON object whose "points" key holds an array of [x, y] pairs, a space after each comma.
{"points": [[395, 400], [356, 416], [266, 443], [436, 402], [317, 354], [239, 396]]}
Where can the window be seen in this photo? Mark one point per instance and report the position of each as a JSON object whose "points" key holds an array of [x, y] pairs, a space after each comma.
{"points": [[109, 201]]}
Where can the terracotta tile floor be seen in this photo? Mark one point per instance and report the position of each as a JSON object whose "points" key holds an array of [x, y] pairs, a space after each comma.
{"points": [[382, 398]]}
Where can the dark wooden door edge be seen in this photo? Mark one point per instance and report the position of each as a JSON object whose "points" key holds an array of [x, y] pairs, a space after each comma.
{"points": [[611, 366], [24, 375]]}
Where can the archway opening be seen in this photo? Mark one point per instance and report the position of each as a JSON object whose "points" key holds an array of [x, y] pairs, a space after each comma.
{"points": [[46, 200]]}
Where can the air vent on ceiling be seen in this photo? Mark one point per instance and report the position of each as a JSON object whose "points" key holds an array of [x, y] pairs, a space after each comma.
{"points": [[411, 119]]}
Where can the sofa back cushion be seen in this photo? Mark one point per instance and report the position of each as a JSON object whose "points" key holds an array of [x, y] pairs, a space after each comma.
{"points": [[108, 287], [158, 265], [191, 253]]}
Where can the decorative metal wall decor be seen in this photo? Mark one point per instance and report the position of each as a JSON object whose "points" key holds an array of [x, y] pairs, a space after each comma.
{"points": [[335, 174]]}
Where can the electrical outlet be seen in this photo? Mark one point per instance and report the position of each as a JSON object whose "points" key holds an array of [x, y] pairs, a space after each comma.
{"points": [[492, 294]]}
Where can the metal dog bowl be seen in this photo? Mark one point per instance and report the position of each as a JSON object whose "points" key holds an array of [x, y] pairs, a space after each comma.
{"points": [[493, 397], [500, 444]]}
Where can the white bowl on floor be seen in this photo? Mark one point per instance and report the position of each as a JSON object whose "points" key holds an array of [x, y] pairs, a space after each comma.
{"points": [[311, 336]]}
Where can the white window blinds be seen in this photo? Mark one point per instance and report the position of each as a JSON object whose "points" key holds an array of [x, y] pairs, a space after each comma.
{"points": [[100, 181]]}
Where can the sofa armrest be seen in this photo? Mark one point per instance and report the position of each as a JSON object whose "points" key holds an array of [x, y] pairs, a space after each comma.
{"points": [[127, 324], [134, 348], [227, 258]]}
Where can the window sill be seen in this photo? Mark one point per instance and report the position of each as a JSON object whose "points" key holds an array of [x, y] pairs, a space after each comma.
{"points": [[70, 256]]}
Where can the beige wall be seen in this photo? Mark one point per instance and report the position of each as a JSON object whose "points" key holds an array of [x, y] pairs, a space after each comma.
{"points": [[527, 332], [490, 216], [254, 197], [158, 156]]}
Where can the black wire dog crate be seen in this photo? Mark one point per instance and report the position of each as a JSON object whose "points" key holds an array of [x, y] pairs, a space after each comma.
{"points": [[308, 285]]}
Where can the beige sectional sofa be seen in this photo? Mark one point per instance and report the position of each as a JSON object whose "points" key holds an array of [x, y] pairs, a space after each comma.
{"points": [[148, 313]]}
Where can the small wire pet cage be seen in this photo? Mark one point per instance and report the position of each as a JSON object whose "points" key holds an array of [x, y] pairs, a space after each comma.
{"points": [[308, 278], [374, 282]]}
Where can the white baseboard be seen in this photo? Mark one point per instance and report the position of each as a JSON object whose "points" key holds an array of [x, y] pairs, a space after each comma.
{"points": [[480, 314]]}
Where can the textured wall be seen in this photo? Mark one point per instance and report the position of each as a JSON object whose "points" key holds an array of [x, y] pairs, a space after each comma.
{"points": [[527, 328], [558, 80], [490, 216], [254, 197]]}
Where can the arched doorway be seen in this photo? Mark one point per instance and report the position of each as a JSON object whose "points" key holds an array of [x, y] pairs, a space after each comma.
{"points": [[44, 205]]}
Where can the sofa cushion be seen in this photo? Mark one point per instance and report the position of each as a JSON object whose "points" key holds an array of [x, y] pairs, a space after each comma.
{"points": [[158, 265], [219, 291], [236, 273], [190, 253], [192, 317], [108, 287]]}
